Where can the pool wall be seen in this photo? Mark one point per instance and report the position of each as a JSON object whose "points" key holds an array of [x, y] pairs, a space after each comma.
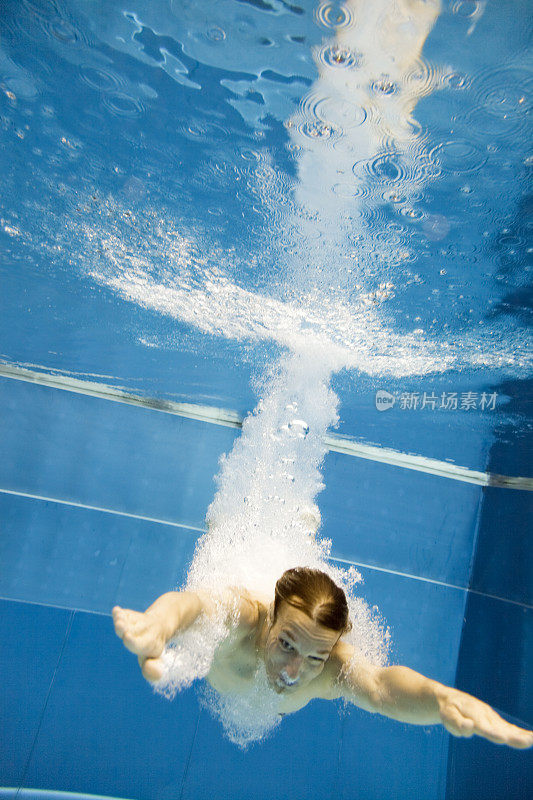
{"points": [[448, 564]]}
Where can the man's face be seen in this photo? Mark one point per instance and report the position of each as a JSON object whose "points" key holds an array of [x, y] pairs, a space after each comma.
{"points": [[296, 649]]}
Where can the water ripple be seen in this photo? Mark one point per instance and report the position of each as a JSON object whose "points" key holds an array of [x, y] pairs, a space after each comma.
{"points": [[334, 15], [52, 22], [337, 112], [502, 100], [458, 156], [335, 55], [202, 129], [121, 104], [421, 78], [62, 30], [384, 86], [43, 9], [466, 8], [100, 78], [455, 80]]}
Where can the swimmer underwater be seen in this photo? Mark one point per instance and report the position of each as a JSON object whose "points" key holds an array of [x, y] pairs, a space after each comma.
{"points": [[298, 636]]}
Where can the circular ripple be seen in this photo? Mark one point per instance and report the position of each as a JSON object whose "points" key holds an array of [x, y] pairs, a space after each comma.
{"points": [[334, 15], [503, 100], [201, 129], [316, 129], [412, 213], [466, 8], [340, 113], [250, 155], [19, 87], [395, 174], [46, 17], [387, 168], [62, 30], [393, 196], [123, 105], [510, 241], [350, 190], [384, 86], [310, 125], [335, 55], [216, 34], [421, 78], [387, 237], [507, 92], [103, 79], [44, 9], [455, 80], [458, 156]]}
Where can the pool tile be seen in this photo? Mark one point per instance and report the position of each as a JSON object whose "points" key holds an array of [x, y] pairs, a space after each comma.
{"points": [[32, 640], [105, 731], [299, 760], [86, 559]]}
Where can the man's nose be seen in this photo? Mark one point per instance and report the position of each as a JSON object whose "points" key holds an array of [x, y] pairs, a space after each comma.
{"points": [[293, 667]]}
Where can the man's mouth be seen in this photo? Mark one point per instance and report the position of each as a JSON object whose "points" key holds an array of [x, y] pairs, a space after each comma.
{"points": [[284, 681]]}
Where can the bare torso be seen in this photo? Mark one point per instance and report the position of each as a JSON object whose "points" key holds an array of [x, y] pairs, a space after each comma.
{"points": [[234, 666]]}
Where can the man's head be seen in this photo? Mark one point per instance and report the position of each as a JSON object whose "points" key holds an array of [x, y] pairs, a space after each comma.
{"points": [[309, 615]]}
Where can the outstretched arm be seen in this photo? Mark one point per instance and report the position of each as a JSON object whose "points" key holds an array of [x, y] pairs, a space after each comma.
{"points": [[403, 694], [146, 634]]}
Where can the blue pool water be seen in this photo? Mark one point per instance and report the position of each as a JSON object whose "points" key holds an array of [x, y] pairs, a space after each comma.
{"points": [[194, 193]]}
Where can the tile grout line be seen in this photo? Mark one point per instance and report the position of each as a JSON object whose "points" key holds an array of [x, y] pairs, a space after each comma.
{"points": [[203, 530], [41, 718], [54, 605], [445, 585], [219, 416], [189, 757], [117, 513]]}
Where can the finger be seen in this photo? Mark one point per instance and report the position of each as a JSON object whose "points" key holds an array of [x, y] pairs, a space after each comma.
{"points": [[497, 730], [152, 669], [119, 621], [518, 738]]}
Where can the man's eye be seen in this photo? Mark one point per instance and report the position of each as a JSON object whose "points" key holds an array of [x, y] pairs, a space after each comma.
{"points": [[285, 644]]}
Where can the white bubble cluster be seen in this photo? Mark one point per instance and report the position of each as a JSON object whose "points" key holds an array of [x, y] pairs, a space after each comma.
{"points": [[263, 521]]}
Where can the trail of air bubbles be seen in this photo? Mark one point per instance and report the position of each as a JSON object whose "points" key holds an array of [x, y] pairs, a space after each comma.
{"points": [[262, 521]]}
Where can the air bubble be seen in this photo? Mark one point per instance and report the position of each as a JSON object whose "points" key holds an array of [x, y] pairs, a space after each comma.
{"points": [[298, 427]]}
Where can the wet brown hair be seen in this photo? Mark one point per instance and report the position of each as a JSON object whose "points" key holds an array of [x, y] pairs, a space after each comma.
{"points": [[314, 593]]}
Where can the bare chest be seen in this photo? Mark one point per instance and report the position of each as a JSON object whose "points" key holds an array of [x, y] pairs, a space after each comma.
{"points": [[234, 671]]}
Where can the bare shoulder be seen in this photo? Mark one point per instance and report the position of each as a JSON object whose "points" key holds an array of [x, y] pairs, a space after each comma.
{"points": [[243, 608], [353, 679]]}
